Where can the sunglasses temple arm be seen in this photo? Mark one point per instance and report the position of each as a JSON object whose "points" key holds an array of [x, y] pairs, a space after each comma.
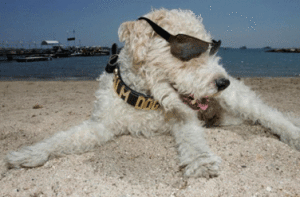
{"points": [[215, 47], [160, 31]]}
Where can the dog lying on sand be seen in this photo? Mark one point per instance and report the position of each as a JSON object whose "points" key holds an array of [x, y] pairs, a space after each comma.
{"points": [[166, 79]]}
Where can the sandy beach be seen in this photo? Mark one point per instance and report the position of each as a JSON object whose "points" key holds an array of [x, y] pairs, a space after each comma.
{"points": [[255, 163]]}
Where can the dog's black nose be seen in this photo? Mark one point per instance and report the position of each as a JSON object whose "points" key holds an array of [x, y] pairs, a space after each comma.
{"points": [[222, 83]]}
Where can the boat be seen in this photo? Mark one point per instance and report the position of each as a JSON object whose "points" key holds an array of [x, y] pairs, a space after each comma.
{"points": [[76, 54], [34, 59], [59, 55]]}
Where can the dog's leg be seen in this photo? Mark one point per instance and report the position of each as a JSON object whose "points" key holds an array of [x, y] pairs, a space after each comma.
{"points": [[194, 153], [243, 102], [79, 139], [293, 118]]}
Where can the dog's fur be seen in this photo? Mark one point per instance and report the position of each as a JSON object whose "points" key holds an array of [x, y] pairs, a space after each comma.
{"points": [[147, 66]]}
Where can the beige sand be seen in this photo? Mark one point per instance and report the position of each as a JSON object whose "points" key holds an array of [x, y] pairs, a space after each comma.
{"points": [[255, 163]]}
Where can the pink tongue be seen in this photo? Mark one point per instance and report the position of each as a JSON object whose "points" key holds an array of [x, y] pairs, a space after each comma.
{"points": [[203, 107]]}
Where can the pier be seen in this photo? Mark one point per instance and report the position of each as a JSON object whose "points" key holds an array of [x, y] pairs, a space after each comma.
{"points": [[34, 59], [28, 55]]}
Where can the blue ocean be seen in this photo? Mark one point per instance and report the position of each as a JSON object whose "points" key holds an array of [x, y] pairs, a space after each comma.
{"points": [[237, 62]]}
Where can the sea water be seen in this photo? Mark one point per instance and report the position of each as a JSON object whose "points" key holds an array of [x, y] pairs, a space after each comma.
{"points": [[258, 63], [237, 62]]}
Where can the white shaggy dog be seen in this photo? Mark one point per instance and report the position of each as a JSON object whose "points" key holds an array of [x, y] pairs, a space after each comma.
{"points": [[178, 70]]}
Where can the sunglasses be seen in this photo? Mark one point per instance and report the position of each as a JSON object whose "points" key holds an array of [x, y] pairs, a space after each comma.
{"points": [[184, 47]]}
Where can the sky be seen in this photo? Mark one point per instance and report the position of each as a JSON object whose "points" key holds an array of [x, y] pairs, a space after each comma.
{"points": [[251, 23]]}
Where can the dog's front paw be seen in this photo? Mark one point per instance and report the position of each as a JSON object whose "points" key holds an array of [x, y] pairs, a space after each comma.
{"points": [[204, 166]]}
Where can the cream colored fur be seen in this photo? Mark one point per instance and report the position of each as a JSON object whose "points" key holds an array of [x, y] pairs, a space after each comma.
{"points": [[147, 66]]}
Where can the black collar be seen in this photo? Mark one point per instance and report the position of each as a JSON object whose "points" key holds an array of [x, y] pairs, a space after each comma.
{"points": [[136, 99]]}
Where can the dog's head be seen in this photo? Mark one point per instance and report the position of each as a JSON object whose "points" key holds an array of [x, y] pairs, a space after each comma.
{"points": [[174, 46]]}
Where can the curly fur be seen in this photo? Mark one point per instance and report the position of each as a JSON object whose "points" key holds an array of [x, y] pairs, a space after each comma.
{"points": [[147, 66]]}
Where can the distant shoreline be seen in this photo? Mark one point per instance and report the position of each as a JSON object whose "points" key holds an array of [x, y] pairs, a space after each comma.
{"points": [[283, 50]]}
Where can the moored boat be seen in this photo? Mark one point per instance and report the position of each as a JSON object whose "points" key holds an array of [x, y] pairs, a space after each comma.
{"points": [[34, 59]]}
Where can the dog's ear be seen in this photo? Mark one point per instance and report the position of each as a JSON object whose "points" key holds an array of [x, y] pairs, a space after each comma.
{"points": [[124, 31], [136, 36]]}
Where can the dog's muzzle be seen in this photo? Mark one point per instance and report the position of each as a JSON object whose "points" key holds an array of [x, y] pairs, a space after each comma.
{"points": [[222, 84]]}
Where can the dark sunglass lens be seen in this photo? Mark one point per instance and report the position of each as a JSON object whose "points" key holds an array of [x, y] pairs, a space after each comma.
{"points": [[186, 47]]}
